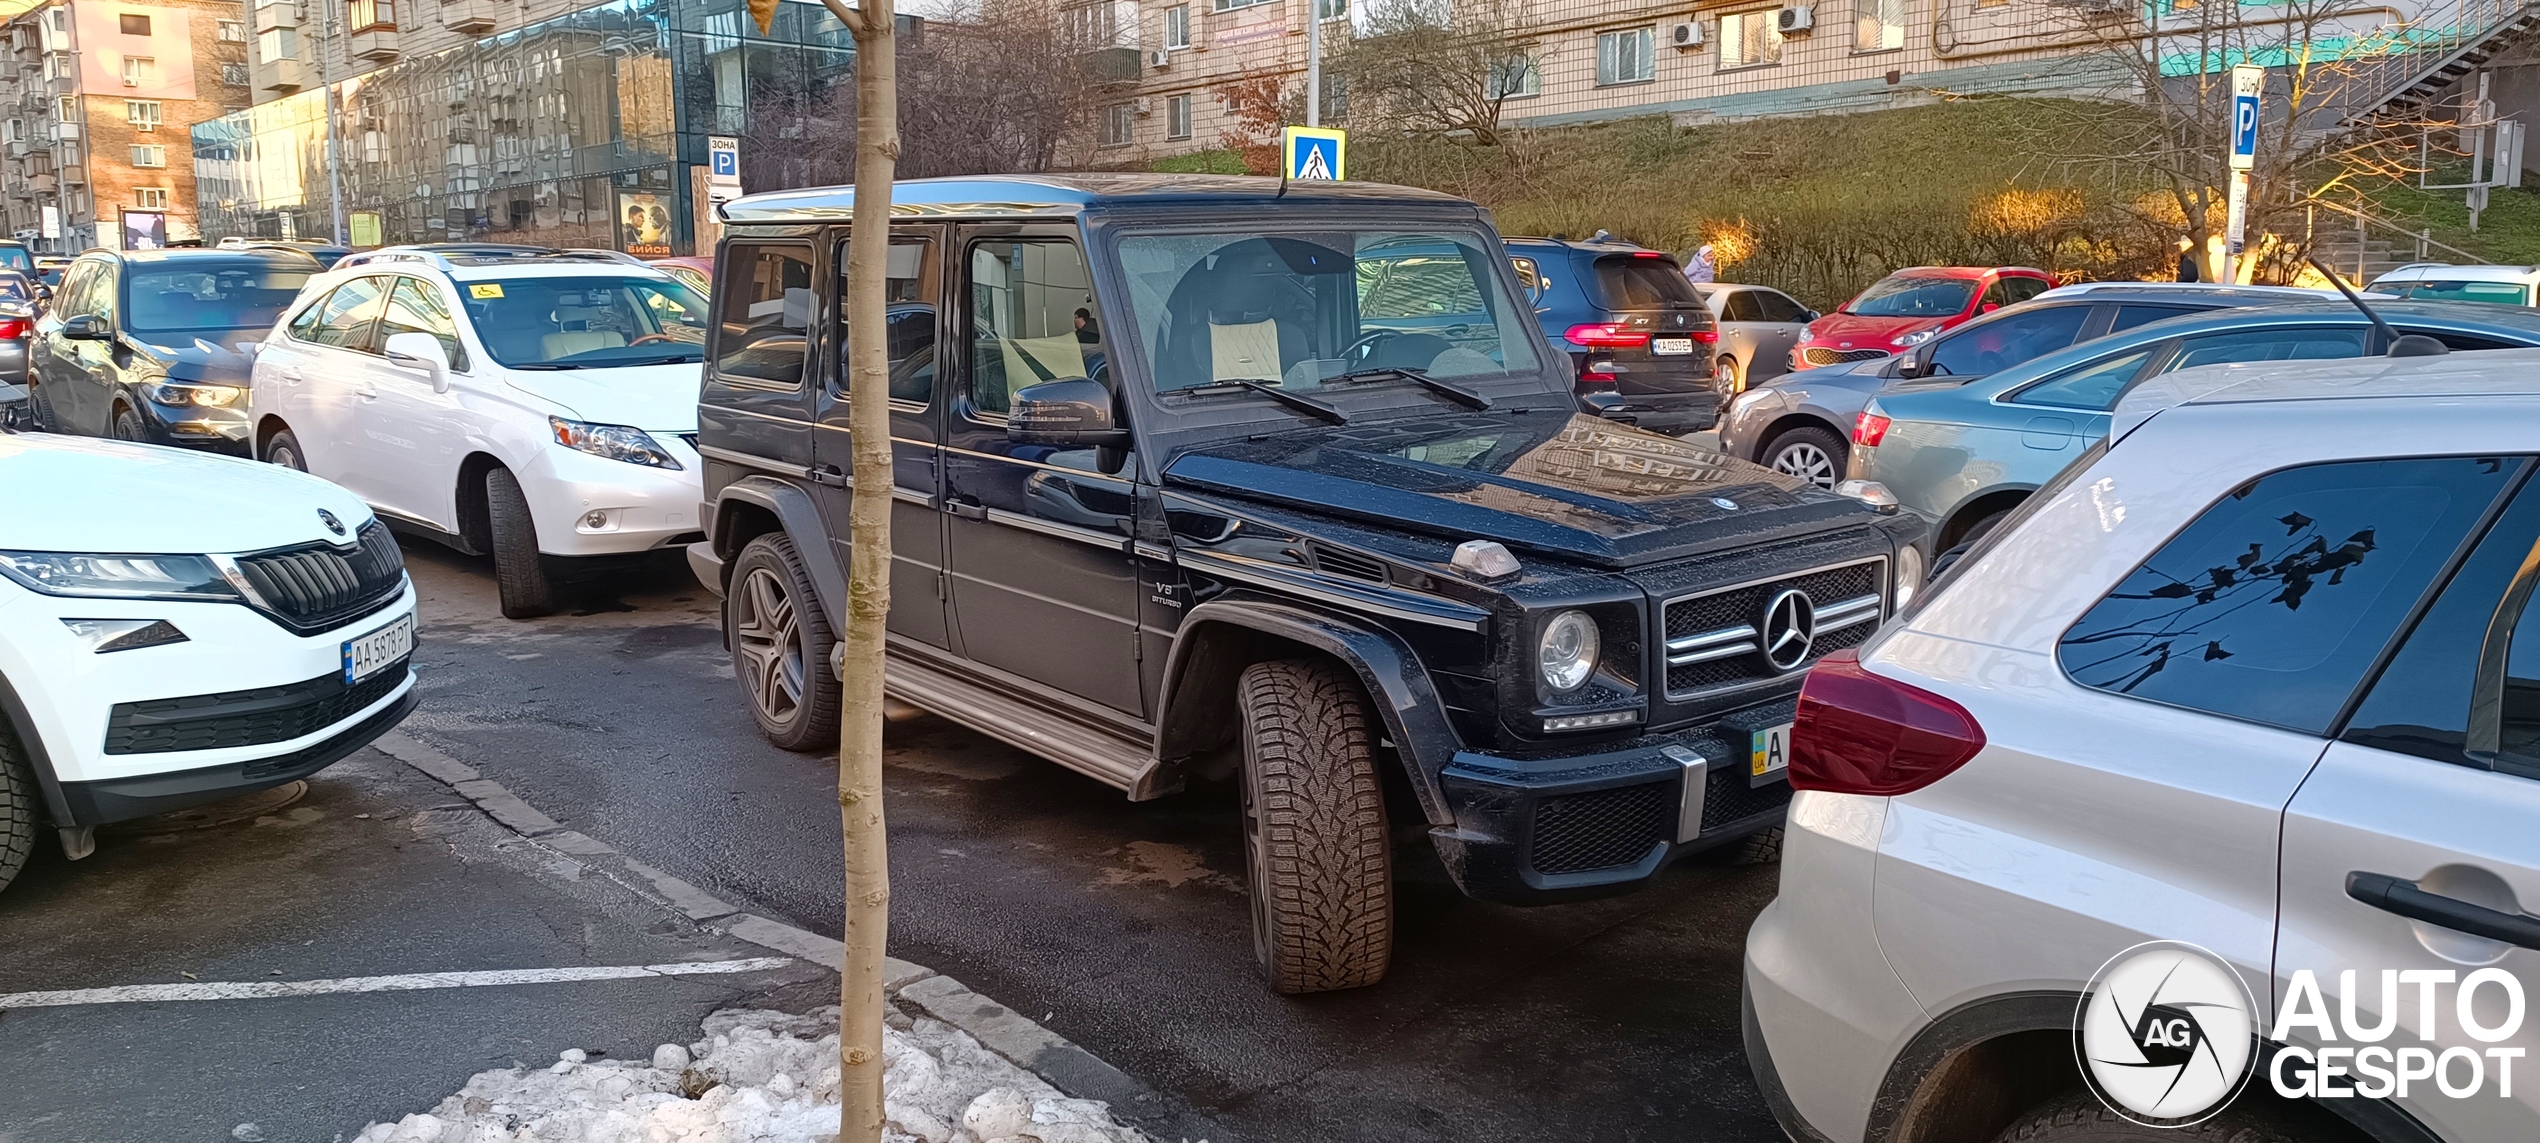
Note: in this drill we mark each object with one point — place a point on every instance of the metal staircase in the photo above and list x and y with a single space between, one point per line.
2418 60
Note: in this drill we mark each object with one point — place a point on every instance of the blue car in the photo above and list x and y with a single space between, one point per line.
1638 336
1961 454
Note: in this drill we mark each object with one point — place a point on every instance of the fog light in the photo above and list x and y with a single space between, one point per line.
1591 721
596 521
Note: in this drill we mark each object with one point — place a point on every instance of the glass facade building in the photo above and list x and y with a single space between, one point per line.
585 130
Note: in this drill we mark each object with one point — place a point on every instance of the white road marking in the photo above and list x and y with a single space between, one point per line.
271 989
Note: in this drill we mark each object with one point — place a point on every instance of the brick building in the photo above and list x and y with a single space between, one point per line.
99 99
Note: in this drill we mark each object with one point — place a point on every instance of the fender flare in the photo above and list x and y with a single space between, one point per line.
1992 1017
15 711
1414 716
800 517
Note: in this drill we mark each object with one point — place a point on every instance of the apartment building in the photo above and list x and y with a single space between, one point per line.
305 44
1587 60
97 100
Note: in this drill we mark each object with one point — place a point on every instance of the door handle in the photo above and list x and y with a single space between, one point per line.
367 391
290 376
966 507
2392 895
828 474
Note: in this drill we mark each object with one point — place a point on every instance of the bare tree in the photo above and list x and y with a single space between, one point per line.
1425 67
2167 126
867 848
994 86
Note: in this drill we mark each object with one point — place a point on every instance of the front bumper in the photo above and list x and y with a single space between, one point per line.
206 427
1539 831
1671 413
589 505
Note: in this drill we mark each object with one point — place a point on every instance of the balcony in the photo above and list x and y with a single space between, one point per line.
376 44
283 76
43 184
66 132
18 148
282 15
471 17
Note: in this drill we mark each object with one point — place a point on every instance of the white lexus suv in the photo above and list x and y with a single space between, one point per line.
505 400
2200 800
177 628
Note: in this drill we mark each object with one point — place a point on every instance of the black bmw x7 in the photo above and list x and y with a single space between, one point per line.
1203 475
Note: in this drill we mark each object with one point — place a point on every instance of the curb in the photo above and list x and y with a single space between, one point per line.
1057 1060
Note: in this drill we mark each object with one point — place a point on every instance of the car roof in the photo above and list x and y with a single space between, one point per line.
1064 196
2213 293
293 258
1611 246
2447 377
473 261
1962 271
2445 272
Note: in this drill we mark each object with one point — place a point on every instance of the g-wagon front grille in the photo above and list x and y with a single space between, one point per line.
1725 638
320 586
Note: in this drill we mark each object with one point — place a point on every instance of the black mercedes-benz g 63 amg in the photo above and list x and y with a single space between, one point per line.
1208 475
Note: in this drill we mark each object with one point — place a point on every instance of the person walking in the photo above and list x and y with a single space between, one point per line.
2187 271
1701 268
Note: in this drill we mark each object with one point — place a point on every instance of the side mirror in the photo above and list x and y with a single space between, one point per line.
420 351
86 327
1988 307
1071 413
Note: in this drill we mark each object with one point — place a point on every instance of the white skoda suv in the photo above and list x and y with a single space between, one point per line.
177 628
509 401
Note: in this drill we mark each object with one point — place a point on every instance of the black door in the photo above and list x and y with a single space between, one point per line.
1043 581
77 377
910 324
752 416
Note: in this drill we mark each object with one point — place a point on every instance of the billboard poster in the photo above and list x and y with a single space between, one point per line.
364 225
145 230
643 224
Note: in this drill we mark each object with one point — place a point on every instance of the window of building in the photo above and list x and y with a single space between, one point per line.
131 24
150 198
373 16
1332 9
1628 56
1231 5
143 114
278 44
1750 39
13 131
234 74
233 31
2276 603
139 71
1515 77
1177 27
1177 117
66 108
149 155
1878 25
1088 25
1119 124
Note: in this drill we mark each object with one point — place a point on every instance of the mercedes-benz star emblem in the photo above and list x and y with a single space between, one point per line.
332 524
1790 629
1724 504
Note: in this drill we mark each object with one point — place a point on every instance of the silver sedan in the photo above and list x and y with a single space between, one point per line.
1801 423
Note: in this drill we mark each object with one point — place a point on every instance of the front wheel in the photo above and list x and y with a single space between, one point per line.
19 802
283 449
1812 454
1732 379
520 573
1316 848
780 645
128 427
2081 1118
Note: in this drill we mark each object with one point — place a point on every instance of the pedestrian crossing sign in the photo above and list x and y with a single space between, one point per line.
1313 154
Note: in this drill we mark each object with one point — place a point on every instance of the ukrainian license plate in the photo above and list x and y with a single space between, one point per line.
369 654
1671 346
1771 751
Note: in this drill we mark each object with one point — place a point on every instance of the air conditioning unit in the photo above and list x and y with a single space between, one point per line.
1145 106
1795 20
1160 60
1685 35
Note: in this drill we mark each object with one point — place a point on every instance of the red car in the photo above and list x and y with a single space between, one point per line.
1910 307
697 273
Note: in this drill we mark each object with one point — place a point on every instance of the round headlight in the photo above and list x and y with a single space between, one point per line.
1566 655
1909 575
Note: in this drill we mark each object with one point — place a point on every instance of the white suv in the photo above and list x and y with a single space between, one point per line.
177 627
2253 678
504 400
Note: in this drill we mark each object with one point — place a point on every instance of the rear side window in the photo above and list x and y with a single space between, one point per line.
2092 388
1778 306
2022 289
1630 282
2465 687
2269 345
765 305
2129 317
2274 604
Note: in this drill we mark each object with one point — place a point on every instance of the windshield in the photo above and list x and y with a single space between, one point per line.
1636 282
587 321
2492 293
1914 297
1305 310
203 296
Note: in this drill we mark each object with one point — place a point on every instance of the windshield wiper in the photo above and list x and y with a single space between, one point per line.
1303 404
550 365
1449 390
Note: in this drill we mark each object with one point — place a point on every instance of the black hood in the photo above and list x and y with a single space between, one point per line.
1553 482
209 356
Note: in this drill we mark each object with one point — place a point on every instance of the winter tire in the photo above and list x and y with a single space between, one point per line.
1763 847
1315 843
2081 1118
780 645
127 426
284 450
1812 454
520 573
40 403
18 806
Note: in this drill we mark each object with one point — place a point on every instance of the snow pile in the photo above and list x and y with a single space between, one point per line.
762 1077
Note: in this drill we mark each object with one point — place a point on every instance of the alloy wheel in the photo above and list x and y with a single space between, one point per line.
767 637
1805 461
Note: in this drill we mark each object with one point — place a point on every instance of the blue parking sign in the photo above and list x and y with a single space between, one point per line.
2246 83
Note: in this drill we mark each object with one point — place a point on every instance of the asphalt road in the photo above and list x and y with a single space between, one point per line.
1122 926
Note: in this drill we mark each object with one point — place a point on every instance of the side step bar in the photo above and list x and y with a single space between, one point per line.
1104 757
